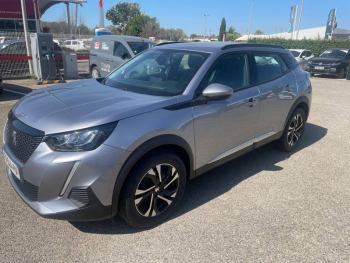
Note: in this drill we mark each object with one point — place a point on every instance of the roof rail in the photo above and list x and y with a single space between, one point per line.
250 45
166 43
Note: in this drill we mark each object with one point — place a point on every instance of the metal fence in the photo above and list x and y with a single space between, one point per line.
13 53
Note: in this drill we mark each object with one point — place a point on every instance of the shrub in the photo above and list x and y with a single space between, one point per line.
317 46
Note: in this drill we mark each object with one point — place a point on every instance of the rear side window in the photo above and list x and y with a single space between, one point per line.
138 47
267 66
284 66
230 70
105 46
291 62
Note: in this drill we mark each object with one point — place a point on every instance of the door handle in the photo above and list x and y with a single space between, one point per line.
251 102
289 87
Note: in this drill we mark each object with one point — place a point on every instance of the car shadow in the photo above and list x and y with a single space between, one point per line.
13 92
215 182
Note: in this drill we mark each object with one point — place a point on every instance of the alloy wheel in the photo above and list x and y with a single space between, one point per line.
294 130
156 190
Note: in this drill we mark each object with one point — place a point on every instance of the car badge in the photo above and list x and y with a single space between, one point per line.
14 138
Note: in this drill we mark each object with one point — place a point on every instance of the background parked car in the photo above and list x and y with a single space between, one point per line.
333 61
74 44
18 48
302 56
109 52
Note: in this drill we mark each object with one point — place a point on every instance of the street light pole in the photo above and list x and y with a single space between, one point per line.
301 12
205 24
250 21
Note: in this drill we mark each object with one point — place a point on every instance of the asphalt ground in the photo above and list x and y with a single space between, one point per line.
266 206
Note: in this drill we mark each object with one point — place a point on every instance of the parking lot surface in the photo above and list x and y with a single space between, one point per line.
266 206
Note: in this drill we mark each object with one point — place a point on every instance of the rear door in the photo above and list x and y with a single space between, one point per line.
278 88
225 127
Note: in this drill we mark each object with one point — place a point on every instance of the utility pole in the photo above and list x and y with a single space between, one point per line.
205 25
76 20
275 29
36 18
250 21
301 12
26 32
69 24
281 29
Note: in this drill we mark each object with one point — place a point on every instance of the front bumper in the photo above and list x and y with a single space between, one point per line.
334 71
88 196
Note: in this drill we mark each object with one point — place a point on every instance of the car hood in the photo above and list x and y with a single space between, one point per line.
326 60
82 104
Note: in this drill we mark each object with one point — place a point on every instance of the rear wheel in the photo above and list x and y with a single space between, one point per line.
293 131
153 190
95 73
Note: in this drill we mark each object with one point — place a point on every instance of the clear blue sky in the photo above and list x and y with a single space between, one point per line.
189 14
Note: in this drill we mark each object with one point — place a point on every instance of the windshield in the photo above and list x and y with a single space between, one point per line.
138 47
295 53
158 72
334 53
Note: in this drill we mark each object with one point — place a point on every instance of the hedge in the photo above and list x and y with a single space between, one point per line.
317 46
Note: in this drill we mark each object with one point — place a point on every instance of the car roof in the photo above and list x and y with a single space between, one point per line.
211 47
125 38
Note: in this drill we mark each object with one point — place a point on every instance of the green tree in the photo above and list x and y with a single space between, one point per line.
259 32
231 30
193 35
121 13
222 30
136 25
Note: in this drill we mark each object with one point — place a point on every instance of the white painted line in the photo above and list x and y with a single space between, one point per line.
15 92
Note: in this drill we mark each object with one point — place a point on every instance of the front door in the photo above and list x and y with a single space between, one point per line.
225 127
104 56
119 50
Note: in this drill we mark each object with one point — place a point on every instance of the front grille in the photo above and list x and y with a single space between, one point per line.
28 189
79 197
21 144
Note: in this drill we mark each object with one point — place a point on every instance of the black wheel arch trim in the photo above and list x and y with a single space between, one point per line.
139 152
294 106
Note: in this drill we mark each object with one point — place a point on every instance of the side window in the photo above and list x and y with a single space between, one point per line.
184 63
119 47
304 54
230 70
75 42
67 42
291 61
267 66
284 66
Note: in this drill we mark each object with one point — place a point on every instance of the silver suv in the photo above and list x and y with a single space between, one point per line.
127 144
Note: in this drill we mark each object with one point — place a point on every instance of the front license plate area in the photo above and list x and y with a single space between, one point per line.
322 68
10 164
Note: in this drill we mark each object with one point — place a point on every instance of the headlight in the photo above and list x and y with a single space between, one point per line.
335 64
80 140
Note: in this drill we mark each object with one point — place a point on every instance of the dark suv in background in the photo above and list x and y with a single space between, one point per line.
333 61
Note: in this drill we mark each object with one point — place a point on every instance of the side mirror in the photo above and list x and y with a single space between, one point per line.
216 92
303 57
123 55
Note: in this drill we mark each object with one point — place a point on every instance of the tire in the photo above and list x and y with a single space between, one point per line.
312 74
95 72
147 200
341 74
293 131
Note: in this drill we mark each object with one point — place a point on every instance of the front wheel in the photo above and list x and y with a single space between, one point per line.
95 73
293 131
341 74
153 190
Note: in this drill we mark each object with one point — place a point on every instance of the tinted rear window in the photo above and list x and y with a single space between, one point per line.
291 61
